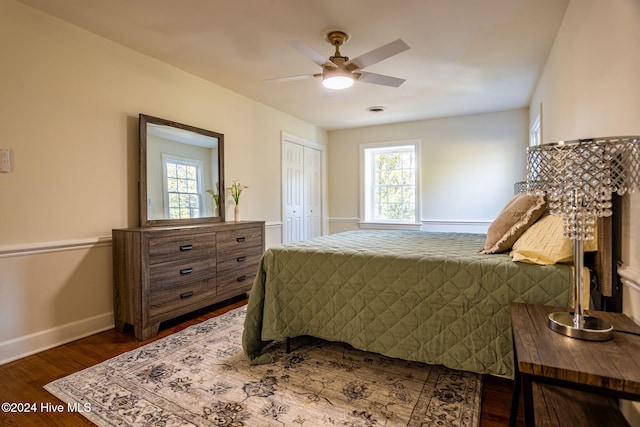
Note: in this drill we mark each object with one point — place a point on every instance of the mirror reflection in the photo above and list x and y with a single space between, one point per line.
182 181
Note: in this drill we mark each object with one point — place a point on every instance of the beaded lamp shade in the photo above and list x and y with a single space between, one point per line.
520 187
578 179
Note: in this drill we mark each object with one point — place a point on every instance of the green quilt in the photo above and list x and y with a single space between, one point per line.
428 297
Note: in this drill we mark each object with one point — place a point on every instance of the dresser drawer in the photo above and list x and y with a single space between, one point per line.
163 272
239 258
242 238
236 281
181 246
179 296
180 271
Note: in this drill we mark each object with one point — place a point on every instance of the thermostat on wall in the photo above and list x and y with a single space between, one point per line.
5 160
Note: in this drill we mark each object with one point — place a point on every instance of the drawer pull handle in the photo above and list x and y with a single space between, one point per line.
240 239
185 248
241 259
186 295
241 279
186 271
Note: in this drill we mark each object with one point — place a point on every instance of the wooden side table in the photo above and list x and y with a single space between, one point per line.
567 381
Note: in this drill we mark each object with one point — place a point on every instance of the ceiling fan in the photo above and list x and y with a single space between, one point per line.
338 72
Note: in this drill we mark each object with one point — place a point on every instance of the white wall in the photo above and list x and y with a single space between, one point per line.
469 165
69 103
590 88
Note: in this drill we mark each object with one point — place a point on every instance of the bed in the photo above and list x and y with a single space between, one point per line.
428 297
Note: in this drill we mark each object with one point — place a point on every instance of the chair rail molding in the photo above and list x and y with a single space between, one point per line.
456 226
630 278
7 251
631 275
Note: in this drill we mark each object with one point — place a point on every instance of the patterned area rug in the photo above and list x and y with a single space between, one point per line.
200 377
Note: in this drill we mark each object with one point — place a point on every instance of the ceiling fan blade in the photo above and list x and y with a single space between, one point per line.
380 54
380 79
310 53
291 78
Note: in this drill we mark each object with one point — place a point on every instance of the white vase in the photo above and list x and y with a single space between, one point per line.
236 213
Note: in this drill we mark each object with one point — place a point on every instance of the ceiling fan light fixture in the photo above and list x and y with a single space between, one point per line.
337 78
337 82
338 72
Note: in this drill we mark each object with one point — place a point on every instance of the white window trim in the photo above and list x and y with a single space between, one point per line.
365 186
184 160
535 130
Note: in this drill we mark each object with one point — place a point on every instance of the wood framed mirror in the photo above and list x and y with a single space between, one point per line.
181 174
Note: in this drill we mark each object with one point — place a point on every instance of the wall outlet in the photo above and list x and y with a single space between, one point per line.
5 160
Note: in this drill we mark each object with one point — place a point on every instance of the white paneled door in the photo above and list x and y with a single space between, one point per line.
293 192
301 191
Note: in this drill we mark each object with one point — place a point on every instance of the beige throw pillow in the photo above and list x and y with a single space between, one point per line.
521 211
542 243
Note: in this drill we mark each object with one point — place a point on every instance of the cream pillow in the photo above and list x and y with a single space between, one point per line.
521 211
543 243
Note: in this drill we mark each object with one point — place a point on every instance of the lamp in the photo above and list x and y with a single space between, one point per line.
337 78
578 178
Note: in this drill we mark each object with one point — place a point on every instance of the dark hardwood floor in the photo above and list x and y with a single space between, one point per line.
23 380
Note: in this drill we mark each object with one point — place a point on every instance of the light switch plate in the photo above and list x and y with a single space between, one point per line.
5 160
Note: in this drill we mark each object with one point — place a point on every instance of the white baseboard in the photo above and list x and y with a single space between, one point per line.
34 343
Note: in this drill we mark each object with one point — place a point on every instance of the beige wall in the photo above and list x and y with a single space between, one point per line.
590 88
69 102
469 165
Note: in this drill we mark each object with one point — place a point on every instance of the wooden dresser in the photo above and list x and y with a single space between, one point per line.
164 272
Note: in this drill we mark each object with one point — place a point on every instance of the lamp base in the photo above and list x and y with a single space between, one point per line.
594 329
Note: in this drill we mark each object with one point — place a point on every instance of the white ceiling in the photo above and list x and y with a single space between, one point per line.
465 56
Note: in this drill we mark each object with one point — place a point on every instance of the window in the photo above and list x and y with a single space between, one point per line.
182 180
535 131
390 184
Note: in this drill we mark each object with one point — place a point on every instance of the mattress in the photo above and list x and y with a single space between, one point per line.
428 297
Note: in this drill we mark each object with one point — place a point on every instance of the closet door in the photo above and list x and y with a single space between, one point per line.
312 192
301 190
293 192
